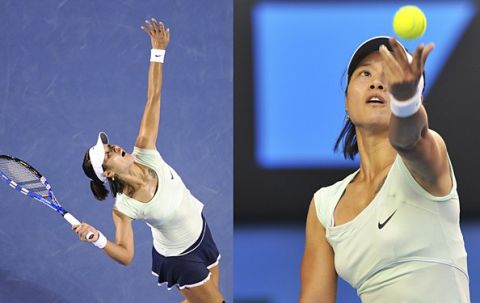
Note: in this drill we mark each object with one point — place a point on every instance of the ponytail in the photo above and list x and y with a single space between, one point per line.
116 186
100 191
349 138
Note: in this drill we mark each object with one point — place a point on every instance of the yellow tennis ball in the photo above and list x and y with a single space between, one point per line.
409 22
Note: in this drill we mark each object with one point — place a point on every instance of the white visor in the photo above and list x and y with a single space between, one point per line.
97 155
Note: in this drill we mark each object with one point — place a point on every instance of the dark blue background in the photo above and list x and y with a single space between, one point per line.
299 103
72 68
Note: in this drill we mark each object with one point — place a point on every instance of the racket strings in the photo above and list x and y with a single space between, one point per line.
23 176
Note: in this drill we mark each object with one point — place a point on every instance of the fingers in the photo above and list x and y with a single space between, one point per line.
160 27
420 57
426 52
153 26
394 71
158 32
398 52
397 64
145 29
83 229
417 59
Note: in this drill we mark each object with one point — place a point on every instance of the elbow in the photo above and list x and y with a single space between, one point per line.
310 299
128 259
404 144
403 147
303 299
153 96
406 138
125 261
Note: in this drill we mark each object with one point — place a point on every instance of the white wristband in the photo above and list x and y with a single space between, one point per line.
407 108
157 55
101 241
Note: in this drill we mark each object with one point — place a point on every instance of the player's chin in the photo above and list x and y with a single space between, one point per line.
378 116
377 121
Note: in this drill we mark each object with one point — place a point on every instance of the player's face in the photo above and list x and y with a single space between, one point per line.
116 159
367 100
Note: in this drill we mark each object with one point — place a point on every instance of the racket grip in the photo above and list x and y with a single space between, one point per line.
90 235
73 221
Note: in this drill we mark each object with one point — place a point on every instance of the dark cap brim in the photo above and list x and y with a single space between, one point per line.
366 48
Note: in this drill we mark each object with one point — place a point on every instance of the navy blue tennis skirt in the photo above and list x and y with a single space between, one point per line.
191 268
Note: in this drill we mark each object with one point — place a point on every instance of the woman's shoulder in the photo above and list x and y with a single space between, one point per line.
125 205
138 151
332 190
149 157
327 197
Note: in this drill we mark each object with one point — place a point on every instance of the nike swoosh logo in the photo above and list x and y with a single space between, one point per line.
171 174
381 225
158 56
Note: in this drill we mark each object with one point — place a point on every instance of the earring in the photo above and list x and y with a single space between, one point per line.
113 178
347 117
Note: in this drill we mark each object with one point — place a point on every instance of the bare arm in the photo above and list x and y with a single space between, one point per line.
122 250
318 276
422 150
147 135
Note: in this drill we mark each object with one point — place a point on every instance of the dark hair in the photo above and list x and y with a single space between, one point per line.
98 187
348 136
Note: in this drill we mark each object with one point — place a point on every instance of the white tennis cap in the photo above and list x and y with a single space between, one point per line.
97 155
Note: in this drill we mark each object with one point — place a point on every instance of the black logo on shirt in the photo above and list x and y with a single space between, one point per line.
171 175
381 225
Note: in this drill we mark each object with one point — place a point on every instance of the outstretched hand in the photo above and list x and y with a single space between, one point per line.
159 34
402 76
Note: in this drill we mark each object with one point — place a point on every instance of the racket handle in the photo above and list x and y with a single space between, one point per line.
73 221
90 235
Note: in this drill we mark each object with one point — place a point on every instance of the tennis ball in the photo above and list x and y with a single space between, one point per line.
409 22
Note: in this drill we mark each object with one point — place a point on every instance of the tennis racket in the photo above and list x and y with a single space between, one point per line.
25 179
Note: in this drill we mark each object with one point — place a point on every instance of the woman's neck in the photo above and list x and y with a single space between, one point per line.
376 154
134 178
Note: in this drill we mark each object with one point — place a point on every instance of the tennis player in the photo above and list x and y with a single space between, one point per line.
145 187
391 228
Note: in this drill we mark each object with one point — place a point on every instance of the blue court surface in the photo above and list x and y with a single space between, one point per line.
73 68
268 257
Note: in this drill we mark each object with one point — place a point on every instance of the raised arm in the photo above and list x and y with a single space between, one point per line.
318 277
159 37
422 150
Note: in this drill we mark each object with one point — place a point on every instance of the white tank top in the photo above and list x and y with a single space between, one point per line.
174 214
405 246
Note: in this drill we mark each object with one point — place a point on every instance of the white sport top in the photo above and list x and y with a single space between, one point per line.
174 214
405 246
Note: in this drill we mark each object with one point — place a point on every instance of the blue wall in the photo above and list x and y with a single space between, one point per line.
72 68
299 113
